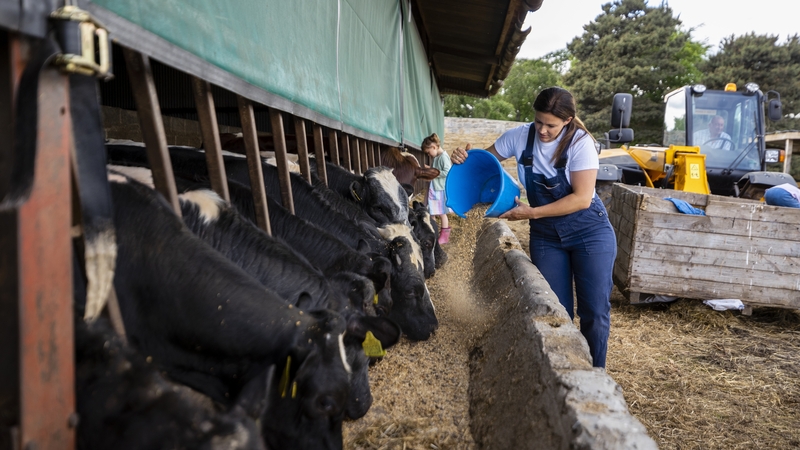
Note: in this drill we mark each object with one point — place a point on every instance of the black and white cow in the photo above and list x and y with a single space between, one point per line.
405 283
423 229
278 267
125 403
207 324
377 192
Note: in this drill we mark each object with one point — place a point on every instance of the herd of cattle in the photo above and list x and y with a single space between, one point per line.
239 339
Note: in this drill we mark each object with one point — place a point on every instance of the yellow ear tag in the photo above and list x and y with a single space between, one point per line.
283 385
372 346
294 389
375 299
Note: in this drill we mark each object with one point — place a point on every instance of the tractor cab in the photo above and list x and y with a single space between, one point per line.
728 127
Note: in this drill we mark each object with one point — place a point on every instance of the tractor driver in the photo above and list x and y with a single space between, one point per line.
714 137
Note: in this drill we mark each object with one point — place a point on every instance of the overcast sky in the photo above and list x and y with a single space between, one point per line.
557 22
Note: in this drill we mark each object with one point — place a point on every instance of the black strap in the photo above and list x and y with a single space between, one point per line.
527 156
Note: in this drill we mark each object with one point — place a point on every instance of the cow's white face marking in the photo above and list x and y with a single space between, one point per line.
116 178
141 174
428 293
409 155
393 230
392 187
343 355
209 203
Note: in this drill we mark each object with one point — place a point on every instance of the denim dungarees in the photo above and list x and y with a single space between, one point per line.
580 246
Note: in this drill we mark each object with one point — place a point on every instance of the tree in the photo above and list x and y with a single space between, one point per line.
495 108
527 78
761 60
634 48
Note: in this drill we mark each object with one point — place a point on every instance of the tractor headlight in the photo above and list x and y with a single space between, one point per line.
772 155
698 89
751 88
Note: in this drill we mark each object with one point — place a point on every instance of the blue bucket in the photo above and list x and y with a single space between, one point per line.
480 179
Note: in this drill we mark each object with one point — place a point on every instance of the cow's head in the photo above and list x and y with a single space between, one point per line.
307 404
423 230
381 196
412 307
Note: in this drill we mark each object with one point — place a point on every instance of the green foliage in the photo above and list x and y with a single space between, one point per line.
515 101
762 60
634 48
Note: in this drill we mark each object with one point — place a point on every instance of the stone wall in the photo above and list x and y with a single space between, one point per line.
481 133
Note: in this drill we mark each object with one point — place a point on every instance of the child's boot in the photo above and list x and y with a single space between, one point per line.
444 236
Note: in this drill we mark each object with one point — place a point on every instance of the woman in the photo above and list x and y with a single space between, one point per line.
571 237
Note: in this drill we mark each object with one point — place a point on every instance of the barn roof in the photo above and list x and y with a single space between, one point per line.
471 44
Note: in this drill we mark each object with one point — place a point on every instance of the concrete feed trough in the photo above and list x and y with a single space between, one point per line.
531 381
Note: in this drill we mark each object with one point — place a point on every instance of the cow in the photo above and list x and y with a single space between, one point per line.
278 267
406 284
377 192
209 325
123 402
406 168
424 232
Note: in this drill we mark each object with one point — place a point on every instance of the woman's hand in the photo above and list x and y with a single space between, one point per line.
520 212
460 154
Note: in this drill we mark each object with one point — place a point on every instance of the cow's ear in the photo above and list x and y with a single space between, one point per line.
385 330
254 396
408 188
357 190
304 301
363 246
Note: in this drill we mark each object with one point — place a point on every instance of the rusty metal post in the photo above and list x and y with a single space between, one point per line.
250 136
302 147
155 139
333 142
35 241
346 152
279 140
319 150
206 114
355 160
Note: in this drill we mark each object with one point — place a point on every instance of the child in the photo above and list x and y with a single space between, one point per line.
436 195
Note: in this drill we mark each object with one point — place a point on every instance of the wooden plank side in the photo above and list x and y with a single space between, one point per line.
758 212
751 260
652 230
724 277
705 290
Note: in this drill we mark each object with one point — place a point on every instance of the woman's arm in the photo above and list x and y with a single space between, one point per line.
582 183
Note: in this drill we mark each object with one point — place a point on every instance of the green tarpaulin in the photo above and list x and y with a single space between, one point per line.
357 62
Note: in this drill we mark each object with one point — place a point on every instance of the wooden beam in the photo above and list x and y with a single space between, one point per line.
250 136
302 147
155 139
472 56
787 163
279 140
319 152
207 117
371 154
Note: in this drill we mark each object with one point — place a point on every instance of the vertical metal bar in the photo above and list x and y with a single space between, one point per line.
370 155
346 152
279 140
333 141
378 161
362 152
319 150
206 113
47 369
355 160
250 136
302 147
155 139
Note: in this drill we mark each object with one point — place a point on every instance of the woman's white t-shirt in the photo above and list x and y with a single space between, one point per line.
581 155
